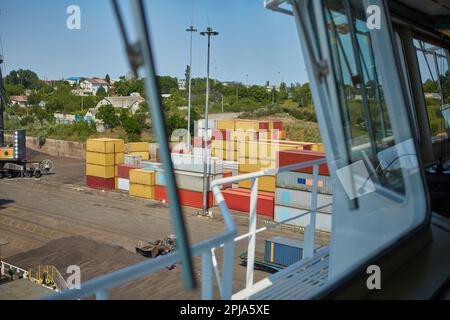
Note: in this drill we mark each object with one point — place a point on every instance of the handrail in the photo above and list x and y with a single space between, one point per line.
309 236
8 266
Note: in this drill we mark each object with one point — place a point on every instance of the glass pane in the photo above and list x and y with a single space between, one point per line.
434 70
367 123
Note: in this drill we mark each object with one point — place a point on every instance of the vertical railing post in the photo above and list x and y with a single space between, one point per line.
252 230
310 230
207 276
227 270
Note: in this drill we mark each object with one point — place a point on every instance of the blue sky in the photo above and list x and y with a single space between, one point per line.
252 40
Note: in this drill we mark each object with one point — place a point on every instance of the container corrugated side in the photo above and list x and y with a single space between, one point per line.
123 184
187 162
281 253
323 220
304 181
302 199
187 180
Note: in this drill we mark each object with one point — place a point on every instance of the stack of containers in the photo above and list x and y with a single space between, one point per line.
103 156
142 183
260 156
189 176
200 125
293 190
141 149
131 162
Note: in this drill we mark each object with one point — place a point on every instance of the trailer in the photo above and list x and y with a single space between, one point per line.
26 169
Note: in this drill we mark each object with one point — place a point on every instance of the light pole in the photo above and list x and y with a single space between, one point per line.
191 30
209 32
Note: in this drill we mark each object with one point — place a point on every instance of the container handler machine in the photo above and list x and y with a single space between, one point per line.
13 153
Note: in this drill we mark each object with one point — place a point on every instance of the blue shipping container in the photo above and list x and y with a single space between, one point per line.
283 251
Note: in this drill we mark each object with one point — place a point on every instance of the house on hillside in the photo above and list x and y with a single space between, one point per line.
73 80
21 101
132 102
91 86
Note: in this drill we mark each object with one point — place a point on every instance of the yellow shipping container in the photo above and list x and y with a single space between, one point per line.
247 165
138 147
226 124
143 155
218 144
247 125
142 191
144 177
102 159
99 171
264 184
119 158
105 145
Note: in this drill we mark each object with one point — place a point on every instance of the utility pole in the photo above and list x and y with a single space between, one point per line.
188 138
209 32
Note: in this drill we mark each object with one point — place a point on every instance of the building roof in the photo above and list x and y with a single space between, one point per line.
22 99
122 102
98 81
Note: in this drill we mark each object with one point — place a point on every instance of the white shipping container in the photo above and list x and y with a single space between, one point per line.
151 165
201 124
232 166
301 199
191 163
201 133
131 160
198 152
123 184
304 181
187 180
323 220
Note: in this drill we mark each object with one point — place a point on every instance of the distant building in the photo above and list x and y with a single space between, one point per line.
64 118
432 95
182 84
91 86
270 88
73 80
132 102
22 101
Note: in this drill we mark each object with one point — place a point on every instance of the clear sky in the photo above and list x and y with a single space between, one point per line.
253 40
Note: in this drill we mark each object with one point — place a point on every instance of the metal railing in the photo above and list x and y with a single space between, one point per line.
309 234
5 267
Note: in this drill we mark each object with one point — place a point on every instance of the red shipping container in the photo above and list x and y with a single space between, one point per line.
100 183
199 142
239 199
219 134
227 174
124 171
264 125
278 125
187 198
288 157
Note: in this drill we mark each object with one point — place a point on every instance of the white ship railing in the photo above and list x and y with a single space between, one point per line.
309 233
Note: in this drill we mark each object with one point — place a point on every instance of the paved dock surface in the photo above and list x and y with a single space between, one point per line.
57 221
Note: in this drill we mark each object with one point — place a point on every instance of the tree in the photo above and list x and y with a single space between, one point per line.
167 84
108 79
107 114
101 93
27 78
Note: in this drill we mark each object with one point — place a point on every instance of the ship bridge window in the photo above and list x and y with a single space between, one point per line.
435 74
367 123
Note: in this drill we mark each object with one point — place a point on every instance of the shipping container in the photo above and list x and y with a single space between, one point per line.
138 147
302 199
266 183
187 198
283 251
123 184
226 124
142 191
99 171
245 125
131 160
239 200
227 174
151 165
123 171
232 166
247 165
143 155
105 145
102 159
288 157
201 124
323 219
100 183
186 162
119 158
192 181
142 177
304 181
